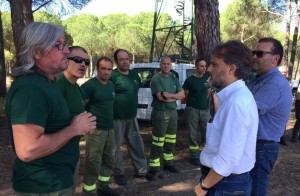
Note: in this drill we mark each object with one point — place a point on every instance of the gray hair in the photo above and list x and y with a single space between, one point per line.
36 36
163 58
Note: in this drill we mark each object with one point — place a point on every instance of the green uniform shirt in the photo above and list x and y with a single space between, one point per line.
198 92
37 100
126 89
72 93
160 83
100 102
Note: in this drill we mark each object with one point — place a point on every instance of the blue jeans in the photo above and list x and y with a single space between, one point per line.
232 185
266 156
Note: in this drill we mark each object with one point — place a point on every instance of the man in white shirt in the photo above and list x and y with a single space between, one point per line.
229 152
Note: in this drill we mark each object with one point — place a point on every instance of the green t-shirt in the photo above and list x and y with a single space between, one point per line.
126 89
72 93
100 101
37 100
198 92
160 83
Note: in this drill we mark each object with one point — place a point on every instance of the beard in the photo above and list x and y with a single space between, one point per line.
217 83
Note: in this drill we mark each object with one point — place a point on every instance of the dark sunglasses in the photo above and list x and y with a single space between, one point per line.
78 59
260 53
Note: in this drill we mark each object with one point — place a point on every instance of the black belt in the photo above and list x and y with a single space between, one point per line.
262 141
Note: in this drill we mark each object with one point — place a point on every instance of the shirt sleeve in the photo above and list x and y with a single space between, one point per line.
186 85
29 105
156 85
267 99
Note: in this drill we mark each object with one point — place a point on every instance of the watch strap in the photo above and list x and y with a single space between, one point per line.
202 185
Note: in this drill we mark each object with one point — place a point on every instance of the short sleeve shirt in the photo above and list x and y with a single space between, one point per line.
160 83
126 89
72 93
198 92
37 100
100 102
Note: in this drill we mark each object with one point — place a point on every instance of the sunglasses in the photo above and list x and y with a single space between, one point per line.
260 53
78 59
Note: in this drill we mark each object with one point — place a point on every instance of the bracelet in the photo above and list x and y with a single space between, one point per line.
202 185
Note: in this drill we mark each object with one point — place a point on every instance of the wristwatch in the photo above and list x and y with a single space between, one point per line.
202 185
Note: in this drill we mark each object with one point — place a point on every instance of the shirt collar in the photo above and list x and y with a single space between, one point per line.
266 75
226 92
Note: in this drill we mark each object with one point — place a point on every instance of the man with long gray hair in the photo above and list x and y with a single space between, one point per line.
39 119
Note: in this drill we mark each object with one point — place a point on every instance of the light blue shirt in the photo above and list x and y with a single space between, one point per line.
273 96
231 136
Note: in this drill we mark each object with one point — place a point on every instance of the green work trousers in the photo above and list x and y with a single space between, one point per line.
100 153
196 120
163 137
129 129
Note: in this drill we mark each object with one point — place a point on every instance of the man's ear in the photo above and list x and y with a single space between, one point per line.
276 58
232 68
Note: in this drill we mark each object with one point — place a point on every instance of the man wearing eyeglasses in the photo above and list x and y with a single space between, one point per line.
78 60
273 97
44 133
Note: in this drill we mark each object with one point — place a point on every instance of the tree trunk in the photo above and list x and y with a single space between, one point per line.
295 39
287 33
297 68
21 15
2 62
207 27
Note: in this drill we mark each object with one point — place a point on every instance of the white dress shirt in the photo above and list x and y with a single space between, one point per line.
231 136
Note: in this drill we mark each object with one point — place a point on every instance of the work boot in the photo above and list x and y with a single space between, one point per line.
171 168
153 173
147 175
89 193
108 191
120 180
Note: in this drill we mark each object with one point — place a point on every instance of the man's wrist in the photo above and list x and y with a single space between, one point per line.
203 186
162 95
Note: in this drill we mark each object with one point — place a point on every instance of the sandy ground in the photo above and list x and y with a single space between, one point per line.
284 179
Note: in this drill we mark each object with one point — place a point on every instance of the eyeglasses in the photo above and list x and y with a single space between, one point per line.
78 59
260 53
61 46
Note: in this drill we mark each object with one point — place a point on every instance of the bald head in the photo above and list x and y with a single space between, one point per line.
284 70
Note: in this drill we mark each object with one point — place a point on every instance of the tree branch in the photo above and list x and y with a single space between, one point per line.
249 38
274 13
41 6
